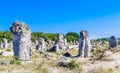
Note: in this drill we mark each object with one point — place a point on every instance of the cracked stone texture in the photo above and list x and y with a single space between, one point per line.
84 44
41 45
5 43
61 41
1 45
21 38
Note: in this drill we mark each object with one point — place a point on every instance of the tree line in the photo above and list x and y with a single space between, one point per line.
70 36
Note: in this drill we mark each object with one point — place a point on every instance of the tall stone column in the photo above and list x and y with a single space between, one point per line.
21 38
65 44
5 43
60 41
41 45
84 44
1 45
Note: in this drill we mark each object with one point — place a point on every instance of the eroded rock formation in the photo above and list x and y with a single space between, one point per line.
21 38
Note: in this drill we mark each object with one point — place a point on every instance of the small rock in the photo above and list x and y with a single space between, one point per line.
67 54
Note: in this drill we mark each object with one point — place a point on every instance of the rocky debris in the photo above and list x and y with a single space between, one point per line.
50 43
10 45
21 38
4 63
54 48
5 53
84 44
41 45
64 62
61 43
113 42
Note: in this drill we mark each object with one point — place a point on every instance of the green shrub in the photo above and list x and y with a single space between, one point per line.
14 61
9 50
73 65
41 69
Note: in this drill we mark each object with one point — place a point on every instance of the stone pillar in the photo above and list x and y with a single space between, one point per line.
21 38
1 45
65 43
41 45
113 42
56 47
5 43
77 43
60 41
84 44
50 43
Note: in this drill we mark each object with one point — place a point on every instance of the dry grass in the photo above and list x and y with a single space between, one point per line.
47 63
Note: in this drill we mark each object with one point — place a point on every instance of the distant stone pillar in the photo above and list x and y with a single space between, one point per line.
61 41
77 43
56 47
65 43
21 38
50 43
41 45
84 44
1 45
5 43
74 42
113 42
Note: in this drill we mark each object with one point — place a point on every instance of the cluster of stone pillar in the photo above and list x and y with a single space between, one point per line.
61 43
21 39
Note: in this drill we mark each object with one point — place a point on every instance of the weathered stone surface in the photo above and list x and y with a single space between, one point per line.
65 44
63 62
113 42
21 38
5 43
84 44
76 42
1 45
41 45
54 48
50 42
5 53
10 45
60 41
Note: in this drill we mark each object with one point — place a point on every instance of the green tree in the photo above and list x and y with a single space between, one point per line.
72 36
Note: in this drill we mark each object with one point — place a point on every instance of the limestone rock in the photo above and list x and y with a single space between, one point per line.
5 43
61 41
84 44
54 48
5 53
21 38
1 45
41 45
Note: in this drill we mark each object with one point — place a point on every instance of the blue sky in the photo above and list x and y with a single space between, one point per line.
100 17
